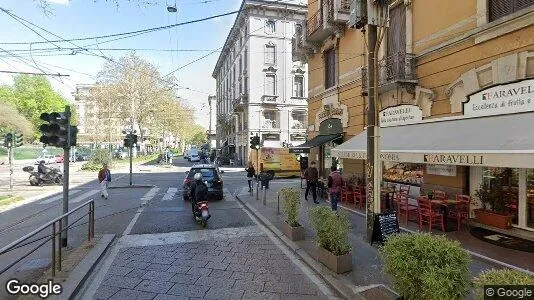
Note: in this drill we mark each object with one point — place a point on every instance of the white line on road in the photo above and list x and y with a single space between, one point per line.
147 197
57 197
170 194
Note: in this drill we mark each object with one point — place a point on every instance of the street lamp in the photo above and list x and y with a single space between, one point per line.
171 9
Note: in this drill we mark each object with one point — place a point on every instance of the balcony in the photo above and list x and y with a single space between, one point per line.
300 47
397 69
240 102
270 124
269 99
331 18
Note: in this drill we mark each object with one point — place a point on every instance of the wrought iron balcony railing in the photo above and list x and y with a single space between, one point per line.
315 22
399 67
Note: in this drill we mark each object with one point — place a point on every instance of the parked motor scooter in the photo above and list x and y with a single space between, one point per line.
202 213
52 176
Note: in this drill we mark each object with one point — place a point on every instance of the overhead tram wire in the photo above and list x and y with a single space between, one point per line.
133 33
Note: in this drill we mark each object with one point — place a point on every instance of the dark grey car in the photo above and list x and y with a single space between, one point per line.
210 175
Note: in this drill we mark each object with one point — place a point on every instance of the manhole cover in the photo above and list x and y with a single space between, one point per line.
34 264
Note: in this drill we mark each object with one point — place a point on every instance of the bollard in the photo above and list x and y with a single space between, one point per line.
264 195
258 190
278 201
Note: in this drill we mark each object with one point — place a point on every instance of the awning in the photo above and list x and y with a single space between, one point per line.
315 142
499 141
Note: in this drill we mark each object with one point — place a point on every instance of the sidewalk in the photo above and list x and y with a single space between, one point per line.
367 268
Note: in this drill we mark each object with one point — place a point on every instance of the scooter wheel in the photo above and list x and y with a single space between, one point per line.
203 223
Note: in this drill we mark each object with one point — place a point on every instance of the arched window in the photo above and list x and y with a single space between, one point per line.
270 26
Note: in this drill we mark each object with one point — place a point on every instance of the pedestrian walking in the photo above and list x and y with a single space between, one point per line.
335 183
104 177
250 175
312 176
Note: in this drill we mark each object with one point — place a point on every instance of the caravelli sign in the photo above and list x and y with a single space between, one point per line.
330 111
400 115
501 99
454 159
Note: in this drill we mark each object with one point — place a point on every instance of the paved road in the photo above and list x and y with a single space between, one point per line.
164 254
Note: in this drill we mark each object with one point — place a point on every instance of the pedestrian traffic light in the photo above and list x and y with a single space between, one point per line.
8 140
18 140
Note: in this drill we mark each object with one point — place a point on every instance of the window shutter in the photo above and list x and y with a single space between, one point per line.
500 8
523 4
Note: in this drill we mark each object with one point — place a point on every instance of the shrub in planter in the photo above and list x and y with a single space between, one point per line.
292 228
332 238
500 277
426 266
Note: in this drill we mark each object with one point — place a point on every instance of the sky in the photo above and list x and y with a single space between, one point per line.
89 18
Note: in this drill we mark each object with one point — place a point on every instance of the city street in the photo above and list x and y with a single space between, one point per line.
160 249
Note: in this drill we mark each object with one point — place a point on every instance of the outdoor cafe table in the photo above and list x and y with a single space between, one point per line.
445 205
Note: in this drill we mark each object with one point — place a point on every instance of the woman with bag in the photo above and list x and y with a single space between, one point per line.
250 174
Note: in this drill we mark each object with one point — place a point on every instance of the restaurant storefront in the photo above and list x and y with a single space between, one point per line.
490 144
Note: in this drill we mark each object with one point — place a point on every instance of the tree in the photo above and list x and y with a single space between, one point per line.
11 119
31 96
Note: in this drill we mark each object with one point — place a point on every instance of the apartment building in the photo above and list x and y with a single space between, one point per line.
456 94
260 89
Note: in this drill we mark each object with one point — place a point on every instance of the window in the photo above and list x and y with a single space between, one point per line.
270 26
298 86
501 8
330 68
270 84
298 29
270 52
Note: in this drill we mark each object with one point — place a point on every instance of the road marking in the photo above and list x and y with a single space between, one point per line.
57 197
244 191
170 194
147 197
83 196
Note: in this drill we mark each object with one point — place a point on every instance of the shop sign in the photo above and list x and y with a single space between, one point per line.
501 99
441 170
452 159
330 111
400 115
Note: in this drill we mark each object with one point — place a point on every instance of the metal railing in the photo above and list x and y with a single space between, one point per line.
399 67
56 226
314 22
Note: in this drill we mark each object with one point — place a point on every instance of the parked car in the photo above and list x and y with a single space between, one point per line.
210 175
194 155
48 159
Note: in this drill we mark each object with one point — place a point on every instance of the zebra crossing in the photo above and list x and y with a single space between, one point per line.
169 195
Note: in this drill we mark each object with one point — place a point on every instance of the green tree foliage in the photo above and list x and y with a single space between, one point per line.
11 119
32 95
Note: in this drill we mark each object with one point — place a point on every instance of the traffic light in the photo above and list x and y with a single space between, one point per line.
56 133
73 135
18 140
8 140
134 139
252 140
130 140
255 142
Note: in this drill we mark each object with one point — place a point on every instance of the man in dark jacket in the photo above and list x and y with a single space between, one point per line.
312 176
335 183
198 192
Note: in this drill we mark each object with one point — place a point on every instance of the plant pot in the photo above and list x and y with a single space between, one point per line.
493 219
294 233
339 264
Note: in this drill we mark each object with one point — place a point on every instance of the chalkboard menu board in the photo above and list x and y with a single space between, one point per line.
384 224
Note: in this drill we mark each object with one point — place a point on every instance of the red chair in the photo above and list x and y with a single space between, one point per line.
439 195
346 193
359 196
403 207
460 211
429 213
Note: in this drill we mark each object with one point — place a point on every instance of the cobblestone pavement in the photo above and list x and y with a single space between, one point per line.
239 263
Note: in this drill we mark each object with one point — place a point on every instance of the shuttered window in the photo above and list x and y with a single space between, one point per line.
298 86
501 8
270 54
270 84
396 41
330 68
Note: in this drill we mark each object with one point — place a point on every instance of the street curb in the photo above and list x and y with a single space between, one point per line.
333 282
81 272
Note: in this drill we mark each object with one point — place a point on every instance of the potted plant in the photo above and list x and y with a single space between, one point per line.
332 238
426 266
499 277
493 208
292 229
